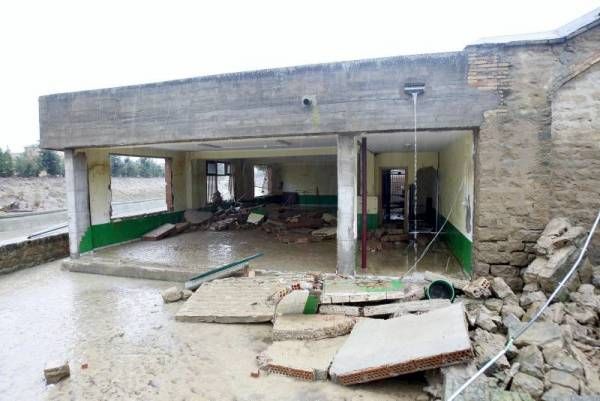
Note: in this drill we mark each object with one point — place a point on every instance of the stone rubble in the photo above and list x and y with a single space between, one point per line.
56 371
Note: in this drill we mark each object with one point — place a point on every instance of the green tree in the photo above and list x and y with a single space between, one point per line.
51 162
116 166
27 165
7 168
145 167
130 168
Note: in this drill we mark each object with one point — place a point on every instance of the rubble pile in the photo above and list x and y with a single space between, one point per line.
368 328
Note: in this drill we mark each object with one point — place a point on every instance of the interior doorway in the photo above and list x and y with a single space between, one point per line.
392 194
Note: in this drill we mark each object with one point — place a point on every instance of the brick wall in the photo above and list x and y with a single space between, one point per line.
23 254
524 142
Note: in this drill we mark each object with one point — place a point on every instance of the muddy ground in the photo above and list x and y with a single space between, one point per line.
135 350
48 193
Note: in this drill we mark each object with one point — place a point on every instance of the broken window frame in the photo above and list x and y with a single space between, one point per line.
268 189
168 177
212 178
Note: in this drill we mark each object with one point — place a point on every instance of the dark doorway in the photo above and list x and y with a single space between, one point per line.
392 193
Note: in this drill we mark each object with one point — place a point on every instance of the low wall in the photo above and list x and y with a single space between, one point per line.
19 255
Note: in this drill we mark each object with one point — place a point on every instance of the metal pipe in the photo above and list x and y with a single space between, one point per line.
363 185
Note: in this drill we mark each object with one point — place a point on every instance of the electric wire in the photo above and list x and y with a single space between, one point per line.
511 339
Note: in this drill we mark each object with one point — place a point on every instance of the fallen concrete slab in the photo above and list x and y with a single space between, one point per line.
311 327
343 291
402 308
235 299
293 303
159 232
378 349
345 310
306 360
109 267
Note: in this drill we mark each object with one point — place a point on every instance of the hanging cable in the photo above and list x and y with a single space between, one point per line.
438 232
511 339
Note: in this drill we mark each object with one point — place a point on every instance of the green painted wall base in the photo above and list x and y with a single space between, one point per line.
372 222
100 235
459 245
317 200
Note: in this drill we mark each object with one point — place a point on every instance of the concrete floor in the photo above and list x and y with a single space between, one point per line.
201 250
134 348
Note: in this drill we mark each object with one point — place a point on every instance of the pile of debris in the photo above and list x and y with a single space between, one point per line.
357 330
288 224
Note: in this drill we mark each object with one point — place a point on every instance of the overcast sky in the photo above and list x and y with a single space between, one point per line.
60 46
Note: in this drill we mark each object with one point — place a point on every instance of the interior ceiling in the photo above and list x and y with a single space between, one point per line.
427 141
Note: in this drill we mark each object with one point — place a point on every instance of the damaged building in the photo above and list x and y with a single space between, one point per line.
486 144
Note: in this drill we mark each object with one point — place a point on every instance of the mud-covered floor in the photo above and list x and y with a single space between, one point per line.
134 348
207 249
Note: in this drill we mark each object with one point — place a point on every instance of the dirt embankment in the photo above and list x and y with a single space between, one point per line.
48 193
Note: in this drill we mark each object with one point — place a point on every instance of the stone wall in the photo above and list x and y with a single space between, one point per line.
30 253
531 164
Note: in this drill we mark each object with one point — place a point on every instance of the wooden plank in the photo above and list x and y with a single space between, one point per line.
159 232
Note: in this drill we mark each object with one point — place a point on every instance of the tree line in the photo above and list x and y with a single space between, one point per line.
123 166
31 163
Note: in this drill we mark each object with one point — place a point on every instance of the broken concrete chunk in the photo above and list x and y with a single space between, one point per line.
401 308
292 303
564 379
531 297
501 289
346 310
478 288
196 216
558 393
558 233
539 333
324 233
377 349
486 346
527 384
235 299
558 359
311 327
531 361
512 308
582 314
255 218
159 232
171 294
329 218
455 376
185 294
306 360
55 371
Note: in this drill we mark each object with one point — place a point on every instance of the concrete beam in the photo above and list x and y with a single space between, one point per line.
347 157
78 205
355 96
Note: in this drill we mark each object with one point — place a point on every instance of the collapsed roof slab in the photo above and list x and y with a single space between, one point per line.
378 349
356 96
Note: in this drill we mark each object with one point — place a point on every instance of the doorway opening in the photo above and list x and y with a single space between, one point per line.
393 194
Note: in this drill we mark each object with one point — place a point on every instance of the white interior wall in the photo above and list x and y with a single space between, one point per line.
456 169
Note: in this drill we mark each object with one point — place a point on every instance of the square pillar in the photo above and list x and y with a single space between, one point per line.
347 157
78 205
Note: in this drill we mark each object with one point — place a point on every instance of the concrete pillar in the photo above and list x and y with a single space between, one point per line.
347 151
76 182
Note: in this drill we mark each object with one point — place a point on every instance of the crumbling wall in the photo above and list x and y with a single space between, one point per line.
575 158
29 253
516 149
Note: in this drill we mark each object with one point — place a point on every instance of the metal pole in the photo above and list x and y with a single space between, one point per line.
363 185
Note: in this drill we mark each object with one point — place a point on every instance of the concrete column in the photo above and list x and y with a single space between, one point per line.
347 151
76 181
